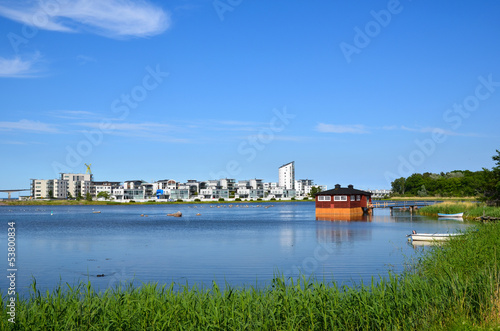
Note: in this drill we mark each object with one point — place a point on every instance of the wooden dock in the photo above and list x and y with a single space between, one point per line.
405 205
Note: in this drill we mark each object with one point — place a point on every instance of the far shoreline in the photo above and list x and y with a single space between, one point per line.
116 203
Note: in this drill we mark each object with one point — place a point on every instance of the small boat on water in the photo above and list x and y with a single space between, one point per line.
450 215
178 214
96 212
432 236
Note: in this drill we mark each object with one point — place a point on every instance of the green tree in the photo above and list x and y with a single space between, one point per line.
103 194
422 192
51 195
492 187
69 195
399 186
88 196
314 190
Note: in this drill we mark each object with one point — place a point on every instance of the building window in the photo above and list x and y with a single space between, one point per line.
358 197
324 198
353 198
340 198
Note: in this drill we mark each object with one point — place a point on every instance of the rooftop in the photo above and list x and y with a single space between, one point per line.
344 191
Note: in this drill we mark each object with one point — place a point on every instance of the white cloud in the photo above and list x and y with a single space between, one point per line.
17 67
150 131
333 128
111 18
27 125
437 130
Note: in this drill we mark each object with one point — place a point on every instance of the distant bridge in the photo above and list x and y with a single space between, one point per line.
12 191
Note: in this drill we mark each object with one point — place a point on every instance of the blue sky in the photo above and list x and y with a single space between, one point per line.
355 92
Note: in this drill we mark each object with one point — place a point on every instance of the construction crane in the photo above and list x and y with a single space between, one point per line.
88 168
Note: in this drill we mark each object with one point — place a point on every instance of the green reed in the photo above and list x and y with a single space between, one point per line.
470 209
449 287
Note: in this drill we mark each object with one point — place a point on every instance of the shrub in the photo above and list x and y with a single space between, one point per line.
180 200
197 200
221 199
237 199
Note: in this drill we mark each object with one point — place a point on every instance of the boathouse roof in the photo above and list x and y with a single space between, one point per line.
349 190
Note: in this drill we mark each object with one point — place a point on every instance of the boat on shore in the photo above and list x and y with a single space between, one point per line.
451 215
432 236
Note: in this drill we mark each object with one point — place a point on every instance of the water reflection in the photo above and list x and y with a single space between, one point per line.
345 218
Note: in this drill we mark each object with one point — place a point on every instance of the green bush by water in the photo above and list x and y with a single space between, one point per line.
454 286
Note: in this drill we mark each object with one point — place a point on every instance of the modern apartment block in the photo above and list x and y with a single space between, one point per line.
78 184
49 188
75 185
108 187
287 176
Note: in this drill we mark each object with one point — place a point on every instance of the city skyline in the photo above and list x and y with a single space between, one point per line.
355 93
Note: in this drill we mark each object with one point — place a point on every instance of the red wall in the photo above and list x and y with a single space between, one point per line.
342 204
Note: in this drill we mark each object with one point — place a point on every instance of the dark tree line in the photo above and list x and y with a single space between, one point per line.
459 183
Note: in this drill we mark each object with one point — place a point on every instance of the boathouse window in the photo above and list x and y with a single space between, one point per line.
324 198
340 198
358 197
353 198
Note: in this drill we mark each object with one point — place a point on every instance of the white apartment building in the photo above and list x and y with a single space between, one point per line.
228 184
379 194
49 188
78 184
98 187
270 186
286 177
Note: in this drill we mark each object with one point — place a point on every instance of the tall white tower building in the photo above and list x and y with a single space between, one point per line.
287 176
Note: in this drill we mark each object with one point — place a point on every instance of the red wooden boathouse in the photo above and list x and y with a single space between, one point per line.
343 201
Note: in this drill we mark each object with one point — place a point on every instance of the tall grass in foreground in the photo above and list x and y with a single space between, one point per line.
470 209
451 286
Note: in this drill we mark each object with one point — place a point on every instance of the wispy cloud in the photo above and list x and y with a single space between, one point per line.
84 59
17 67
334 128
442 131
28 125
110 18
74 114
148 130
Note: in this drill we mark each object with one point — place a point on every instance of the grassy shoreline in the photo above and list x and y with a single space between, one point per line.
433 198
454 286
471 210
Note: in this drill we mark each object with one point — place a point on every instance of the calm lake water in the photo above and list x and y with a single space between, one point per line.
243 246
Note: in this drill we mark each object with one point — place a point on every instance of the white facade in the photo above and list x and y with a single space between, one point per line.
49 188
78 183
287 176
378 194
